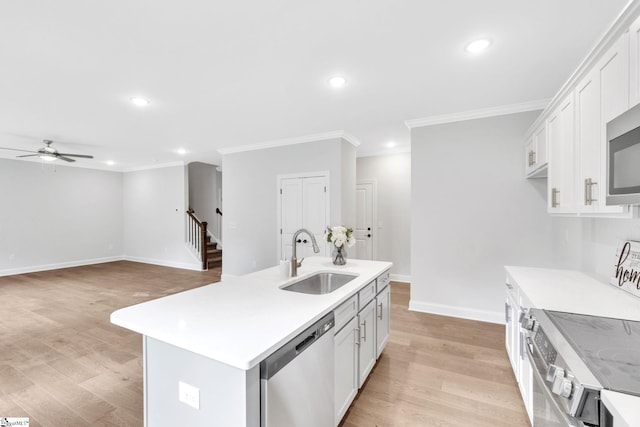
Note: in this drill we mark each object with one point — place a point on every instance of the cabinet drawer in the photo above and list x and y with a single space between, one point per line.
345 312
366 294
382 281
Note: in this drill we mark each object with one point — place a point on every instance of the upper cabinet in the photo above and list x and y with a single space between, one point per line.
568 142
536 153
560 188
601 96
634 63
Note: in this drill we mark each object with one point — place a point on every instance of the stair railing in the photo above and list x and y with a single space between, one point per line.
197 236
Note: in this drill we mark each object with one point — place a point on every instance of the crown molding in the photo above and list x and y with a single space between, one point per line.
291 141
478 114
384 152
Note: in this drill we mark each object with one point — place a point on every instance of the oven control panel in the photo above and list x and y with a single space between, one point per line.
547 351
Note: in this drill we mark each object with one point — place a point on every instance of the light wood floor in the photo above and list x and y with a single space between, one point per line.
62 363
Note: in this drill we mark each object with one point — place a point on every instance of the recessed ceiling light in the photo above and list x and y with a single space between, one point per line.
337 81
181 151
478 46
110 162
139 102
391 144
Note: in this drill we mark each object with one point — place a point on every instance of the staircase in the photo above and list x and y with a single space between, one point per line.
200 242
214 255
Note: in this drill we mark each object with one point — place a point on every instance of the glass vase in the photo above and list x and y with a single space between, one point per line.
339 255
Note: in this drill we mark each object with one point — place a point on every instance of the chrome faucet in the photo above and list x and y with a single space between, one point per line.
294 261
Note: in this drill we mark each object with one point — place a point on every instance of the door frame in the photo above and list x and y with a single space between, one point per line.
279 178
374 213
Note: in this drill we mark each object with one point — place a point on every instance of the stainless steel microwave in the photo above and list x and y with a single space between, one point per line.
623 158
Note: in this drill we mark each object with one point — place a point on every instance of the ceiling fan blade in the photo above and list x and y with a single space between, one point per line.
83 156
29 155
66 159
16 149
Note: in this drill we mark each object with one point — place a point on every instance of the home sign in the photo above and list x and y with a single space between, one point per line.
627 268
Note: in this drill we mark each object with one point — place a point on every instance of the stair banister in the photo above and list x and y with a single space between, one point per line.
197 235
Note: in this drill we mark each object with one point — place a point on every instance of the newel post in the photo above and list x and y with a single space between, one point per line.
203 243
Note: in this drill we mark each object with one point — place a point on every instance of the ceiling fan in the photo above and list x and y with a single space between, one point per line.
48 153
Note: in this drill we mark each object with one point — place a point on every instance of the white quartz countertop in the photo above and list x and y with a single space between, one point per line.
242 320
573 292
623 407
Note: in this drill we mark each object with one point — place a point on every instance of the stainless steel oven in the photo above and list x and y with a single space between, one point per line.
574 357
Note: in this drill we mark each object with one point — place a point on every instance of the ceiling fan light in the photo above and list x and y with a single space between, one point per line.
47 157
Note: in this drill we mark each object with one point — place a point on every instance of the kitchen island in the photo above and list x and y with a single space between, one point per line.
212 339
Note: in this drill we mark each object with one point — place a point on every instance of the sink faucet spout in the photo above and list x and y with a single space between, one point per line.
294 260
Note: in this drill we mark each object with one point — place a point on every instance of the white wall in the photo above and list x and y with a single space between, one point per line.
249 190
53 216
154 205
203 193
590 243
472 213
393 177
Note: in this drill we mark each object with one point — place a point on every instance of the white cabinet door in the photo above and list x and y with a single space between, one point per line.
303 204
613 73
383 322
588 139
511 330
346 368
536 152
634 59
560 125
367 341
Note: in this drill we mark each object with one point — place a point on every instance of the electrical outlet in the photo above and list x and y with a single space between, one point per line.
189 394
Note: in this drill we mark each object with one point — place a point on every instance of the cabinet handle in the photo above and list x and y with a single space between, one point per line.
364 325
298 241
358 335
368 235
380 312
529 160
588 191
554 198
533 158
507 309
304 241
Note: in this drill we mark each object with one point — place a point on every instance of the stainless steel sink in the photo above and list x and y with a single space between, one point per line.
320 283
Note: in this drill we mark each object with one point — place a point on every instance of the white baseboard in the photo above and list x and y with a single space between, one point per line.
400 278
224 277
164 263
453 311
57 266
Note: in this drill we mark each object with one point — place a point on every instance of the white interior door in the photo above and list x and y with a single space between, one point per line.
291 212
364 229
314 216
303 204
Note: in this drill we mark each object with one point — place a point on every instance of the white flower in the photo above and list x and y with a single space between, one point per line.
339 236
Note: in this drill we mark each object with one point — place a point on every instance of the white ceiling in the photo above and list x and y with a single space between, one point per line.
228 74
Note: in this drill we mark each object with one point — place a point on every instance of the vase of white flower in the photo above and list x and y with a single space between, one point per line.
340 237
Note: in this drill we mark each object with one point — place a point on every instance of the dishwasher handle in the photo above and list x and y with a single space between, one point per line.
306 342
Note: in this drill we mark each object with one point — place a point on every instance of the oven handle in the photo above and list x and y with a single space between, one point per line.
548 396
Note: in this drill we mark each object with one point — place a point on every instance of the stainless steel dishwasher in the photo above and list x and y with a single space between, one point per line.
296 381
